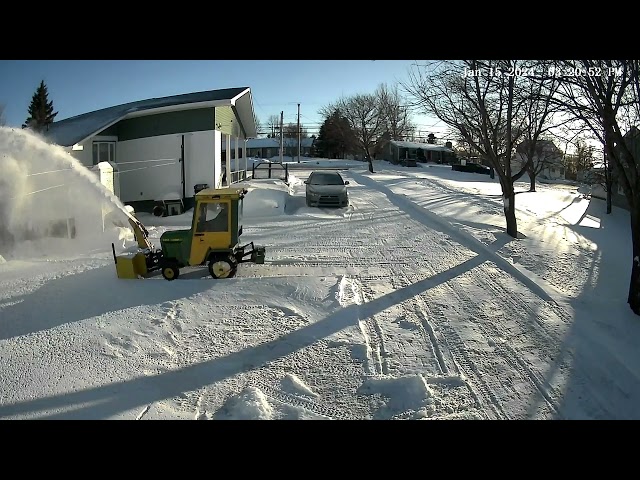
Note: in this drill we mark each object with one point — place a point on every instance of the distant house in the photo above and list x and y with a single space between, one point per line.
160 145
591 175
547 159
398 150
270 147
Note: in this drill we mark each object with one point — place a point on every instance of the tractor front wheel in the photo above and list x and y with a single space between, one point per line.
222 267
170 271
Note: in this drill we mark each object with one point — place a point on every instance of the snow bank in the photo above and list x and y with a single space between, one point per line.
250 404
265 202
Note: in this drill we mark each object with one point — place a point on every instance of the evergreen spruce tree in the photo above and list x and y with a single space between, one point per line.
41 112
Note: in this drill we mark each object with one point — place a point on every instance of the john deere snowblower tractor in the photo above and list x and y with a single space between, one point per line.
213 239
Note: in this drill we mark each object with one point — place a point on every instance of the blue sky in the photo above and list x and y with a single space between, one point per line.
80 86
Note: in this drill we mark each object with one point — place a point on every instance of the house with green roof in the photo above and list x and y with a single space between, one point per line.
165 146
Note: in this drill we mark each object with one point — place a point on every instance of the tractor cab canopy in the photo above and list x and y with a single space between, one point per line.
229 193
218 211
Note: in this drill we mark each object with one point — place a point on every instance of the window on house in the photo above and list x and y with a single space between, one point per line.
104 152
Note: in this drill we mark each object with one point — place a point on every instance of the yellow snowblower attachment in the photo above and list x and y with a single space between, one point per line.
134 264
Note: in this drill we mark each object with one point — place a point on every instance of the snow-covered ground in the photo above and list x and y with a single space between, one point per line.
411 303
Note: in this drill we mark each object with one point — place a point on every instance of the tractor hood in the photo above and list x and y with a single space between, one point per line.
175 236
176 245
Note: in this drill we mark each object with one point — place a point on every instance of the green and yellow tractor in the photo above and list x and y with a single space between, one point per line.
213 239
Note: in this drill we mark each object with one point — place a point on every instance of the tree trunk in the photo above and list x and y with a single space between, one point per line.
634 284
608 186
532 180
509 199
370 165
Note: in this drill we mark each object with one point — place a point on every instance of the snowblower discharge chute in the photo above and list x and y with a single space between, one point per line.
213 239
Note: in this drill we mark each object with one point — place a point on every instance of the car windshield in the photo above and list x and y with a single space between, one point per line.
326 179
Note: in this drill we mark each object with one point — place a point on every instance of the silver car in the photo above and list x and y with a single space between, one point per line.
326 189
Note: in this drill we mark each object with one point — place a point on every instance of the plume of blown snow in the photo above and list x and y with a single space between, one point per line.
45 192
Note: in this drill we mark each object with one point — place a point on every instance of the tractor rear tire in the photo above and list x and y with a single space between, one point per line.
223 267
170 271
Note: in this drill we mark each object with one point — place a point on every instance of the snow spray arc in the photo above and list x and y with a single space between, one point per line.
45 191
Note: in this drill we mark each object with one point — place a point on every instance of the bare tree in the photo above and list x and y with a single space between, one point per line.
538 157
395 112
607 177
463 148
580 162
539 112
290 135
487 103
290 130
273 124
258 126
2 119
605 95
363 113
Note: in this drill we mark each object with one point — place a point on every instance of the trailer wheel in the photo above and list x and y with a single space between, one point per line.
222 267
170 271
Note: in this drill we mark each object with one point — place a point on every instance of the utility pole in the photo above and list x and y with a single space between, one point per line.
281 136
298 133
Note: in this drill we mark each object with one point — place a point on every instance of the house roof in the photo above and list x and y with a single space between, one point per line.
272 143
543 145
76 129
423 146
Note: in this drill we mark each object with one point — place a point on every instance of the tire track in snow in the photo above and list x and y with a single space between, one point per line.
296 401
509 354
463 363
431 220
546 334
496 338
350 293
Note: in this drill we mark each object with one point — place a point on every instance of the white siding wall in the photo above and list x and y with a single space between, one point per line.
519 160
554 173
84 156
217 158
200 159
149 180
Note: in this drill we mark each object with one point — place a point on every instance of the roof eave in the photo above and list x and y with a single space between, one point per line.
157 110
245 112
177 108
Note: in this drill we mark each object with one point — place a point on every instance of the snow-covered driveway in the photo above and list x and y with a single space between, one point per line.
380 310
